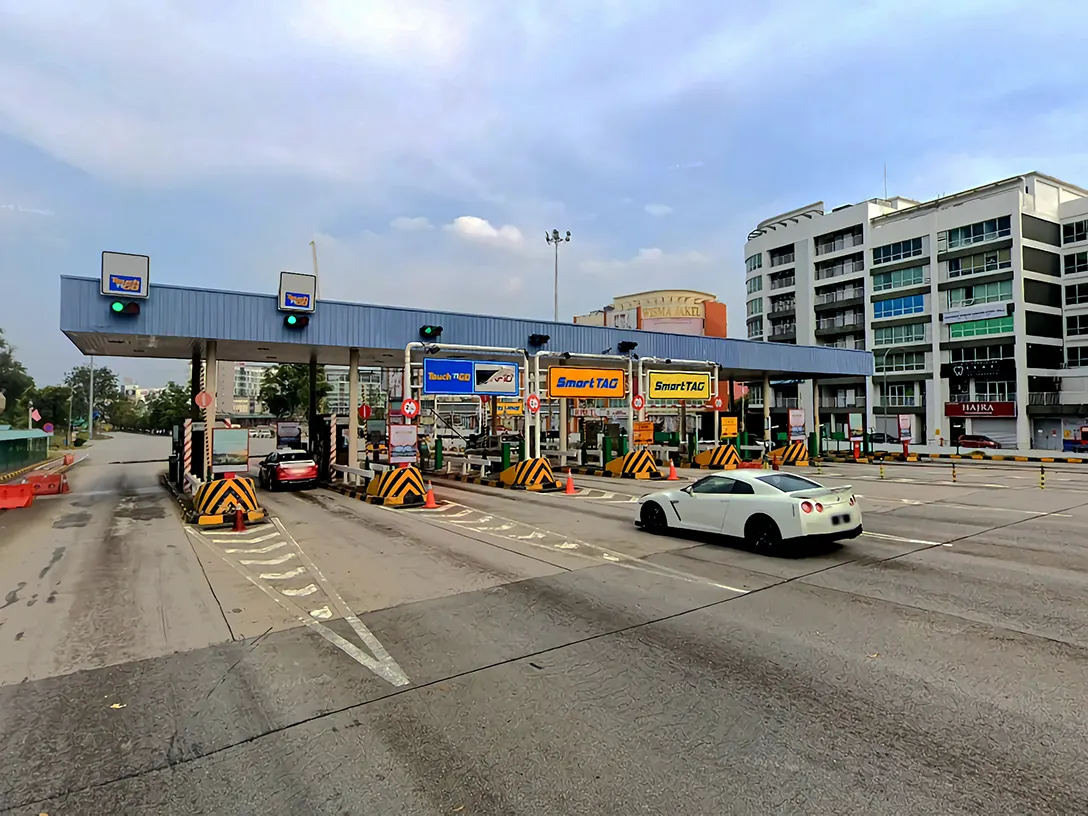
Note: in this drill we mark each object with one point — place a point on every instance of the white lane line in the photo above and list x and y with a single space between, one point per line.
267 548
389 669
923 542
938 503
392 675
256 540
282 576
309 589
268 562
324 613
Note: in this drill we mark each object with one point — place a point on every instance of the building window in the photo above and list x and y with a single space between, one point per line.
755 307
899 251
1076 325
1076 293
753 263
914 276
980 328
785 303
982 262
895 395
1076 356
1077 231
995 391
897 307
989 230
846 266
994 292
755 327
836 241
977 354
897 335
1076 263
782 256
903 361
755 284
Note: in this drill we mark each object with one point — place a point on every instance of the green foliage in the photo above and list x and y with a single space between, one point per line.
14 382
170 407
106 390
285 389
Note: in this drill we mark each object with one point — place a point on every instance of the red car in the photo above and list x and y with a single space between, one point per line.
287 466
976 441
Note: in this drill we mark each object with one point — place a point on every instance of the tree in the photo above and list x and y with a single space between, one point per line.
128 415
285 389
167 408
106 390
52 404
14 381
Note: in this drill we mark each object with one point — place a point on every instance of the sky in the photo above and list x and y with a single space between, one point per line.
426 146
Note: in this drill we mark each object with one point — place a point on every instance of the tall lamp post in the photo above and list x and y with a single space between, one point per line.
555 238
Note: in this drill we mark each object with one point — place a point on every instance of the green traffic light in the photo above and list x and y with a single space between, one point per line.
117 306
291 320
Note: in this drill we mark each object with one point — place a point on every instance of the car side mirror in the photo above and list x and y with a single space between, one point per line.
689 489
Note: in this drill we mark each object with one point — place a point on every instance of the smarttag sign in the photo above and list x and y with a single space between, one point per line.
125 275
298 292
679 385
443 376
586 383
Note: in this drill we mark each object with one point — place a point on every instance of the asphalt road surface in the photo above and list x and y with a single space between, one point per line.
513 654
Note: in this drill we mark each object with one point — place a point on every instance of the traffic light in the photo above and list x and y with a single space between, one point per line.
129 308
430 332
296 321
626 346
539 339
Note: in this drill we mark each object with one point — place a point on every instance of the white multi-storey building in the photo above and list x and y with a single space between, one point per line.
975 306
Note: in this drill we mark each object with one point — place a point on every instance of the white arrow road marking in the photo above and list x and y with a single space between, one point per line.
887 537
257 550
324 613
256 540
381 663
282 576
268 562
309 589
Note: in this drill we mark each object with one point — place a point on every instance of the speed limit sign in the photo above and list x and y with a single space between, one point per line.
638 402
532 402
718 403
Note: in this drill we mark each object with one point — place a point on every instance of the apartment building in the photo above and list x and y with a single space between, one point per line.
975 306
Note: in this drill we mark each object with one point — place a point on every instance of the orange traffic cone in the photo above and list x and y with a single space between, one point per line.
429 503
672 472
570 491
239 520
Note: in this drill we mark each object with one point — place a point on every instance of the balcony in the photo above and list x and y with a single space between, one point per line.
842 294
840 243
845 343
963 398
782 260
838 270
786 402
857 401
836 323
783 305
783 283
902 401
784 330
1044 398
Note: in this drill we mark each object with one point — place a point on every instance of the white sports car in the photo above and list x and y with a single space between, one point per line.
763 507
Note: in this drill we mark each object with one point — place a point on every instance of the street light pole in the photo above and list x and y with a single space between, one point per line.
555 238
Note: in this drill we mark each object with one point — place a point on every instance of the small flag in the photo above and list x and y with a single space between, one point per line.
35 415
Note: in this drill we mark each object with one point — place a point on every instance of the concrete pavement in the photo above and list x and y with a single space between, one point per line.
558 661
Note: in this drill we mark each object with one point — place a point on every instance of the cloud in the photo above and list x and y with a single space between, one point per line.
480 230
404 224
658 210
21 208
648 259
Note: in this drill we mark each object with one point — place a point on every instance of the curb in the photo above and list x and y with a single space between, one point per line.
359 494
479 480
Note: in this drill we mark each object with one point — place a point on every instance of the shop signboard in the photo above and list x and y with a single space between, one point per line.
797 424
980 409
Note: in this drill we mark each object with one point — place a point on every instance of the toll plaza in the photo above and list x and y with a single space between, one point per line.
467 395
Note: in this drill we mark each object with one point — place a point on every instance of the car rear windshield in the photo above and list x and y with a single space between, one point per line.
788 483
295 456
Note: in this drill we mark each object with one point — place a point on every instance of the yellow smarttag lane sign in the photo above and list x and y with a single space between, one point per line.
586 383
679 385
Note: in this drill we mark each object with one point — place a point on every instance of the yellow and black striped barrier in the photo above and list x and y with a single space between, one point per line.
638 464
397 487
530 474
216 501
723 457
795 453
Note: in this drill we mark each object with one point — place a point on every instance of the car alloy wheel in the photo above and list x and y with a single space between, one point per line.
653 518
766 535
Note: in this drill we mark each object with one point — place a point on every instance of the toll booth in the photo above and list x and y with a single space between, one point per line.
319 447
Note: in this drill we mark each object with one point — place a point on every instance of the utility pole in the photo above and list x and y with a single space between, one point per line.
90 405
317 282
555 238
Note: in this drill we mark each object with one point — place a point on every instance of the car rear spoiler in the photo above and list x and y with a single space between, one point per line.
817 492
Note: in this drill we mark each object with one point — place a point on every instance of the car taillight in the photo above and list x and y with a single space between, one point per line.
819 507
806 507
281 471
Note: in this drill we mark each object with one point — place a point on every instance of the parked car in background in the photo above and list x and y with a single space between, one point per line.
976 441
287 467
764 508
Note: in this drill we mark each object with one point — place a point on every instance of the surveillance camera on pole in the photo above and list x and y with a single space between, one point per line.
556 239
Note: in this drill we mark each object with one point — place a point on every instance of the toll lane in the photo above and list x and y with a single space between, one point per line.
102 575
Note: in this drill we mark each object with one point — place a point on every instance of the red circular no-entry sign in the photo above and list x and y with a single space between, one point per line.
365 411
203 399
638 402
718 403
410 408
532 402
